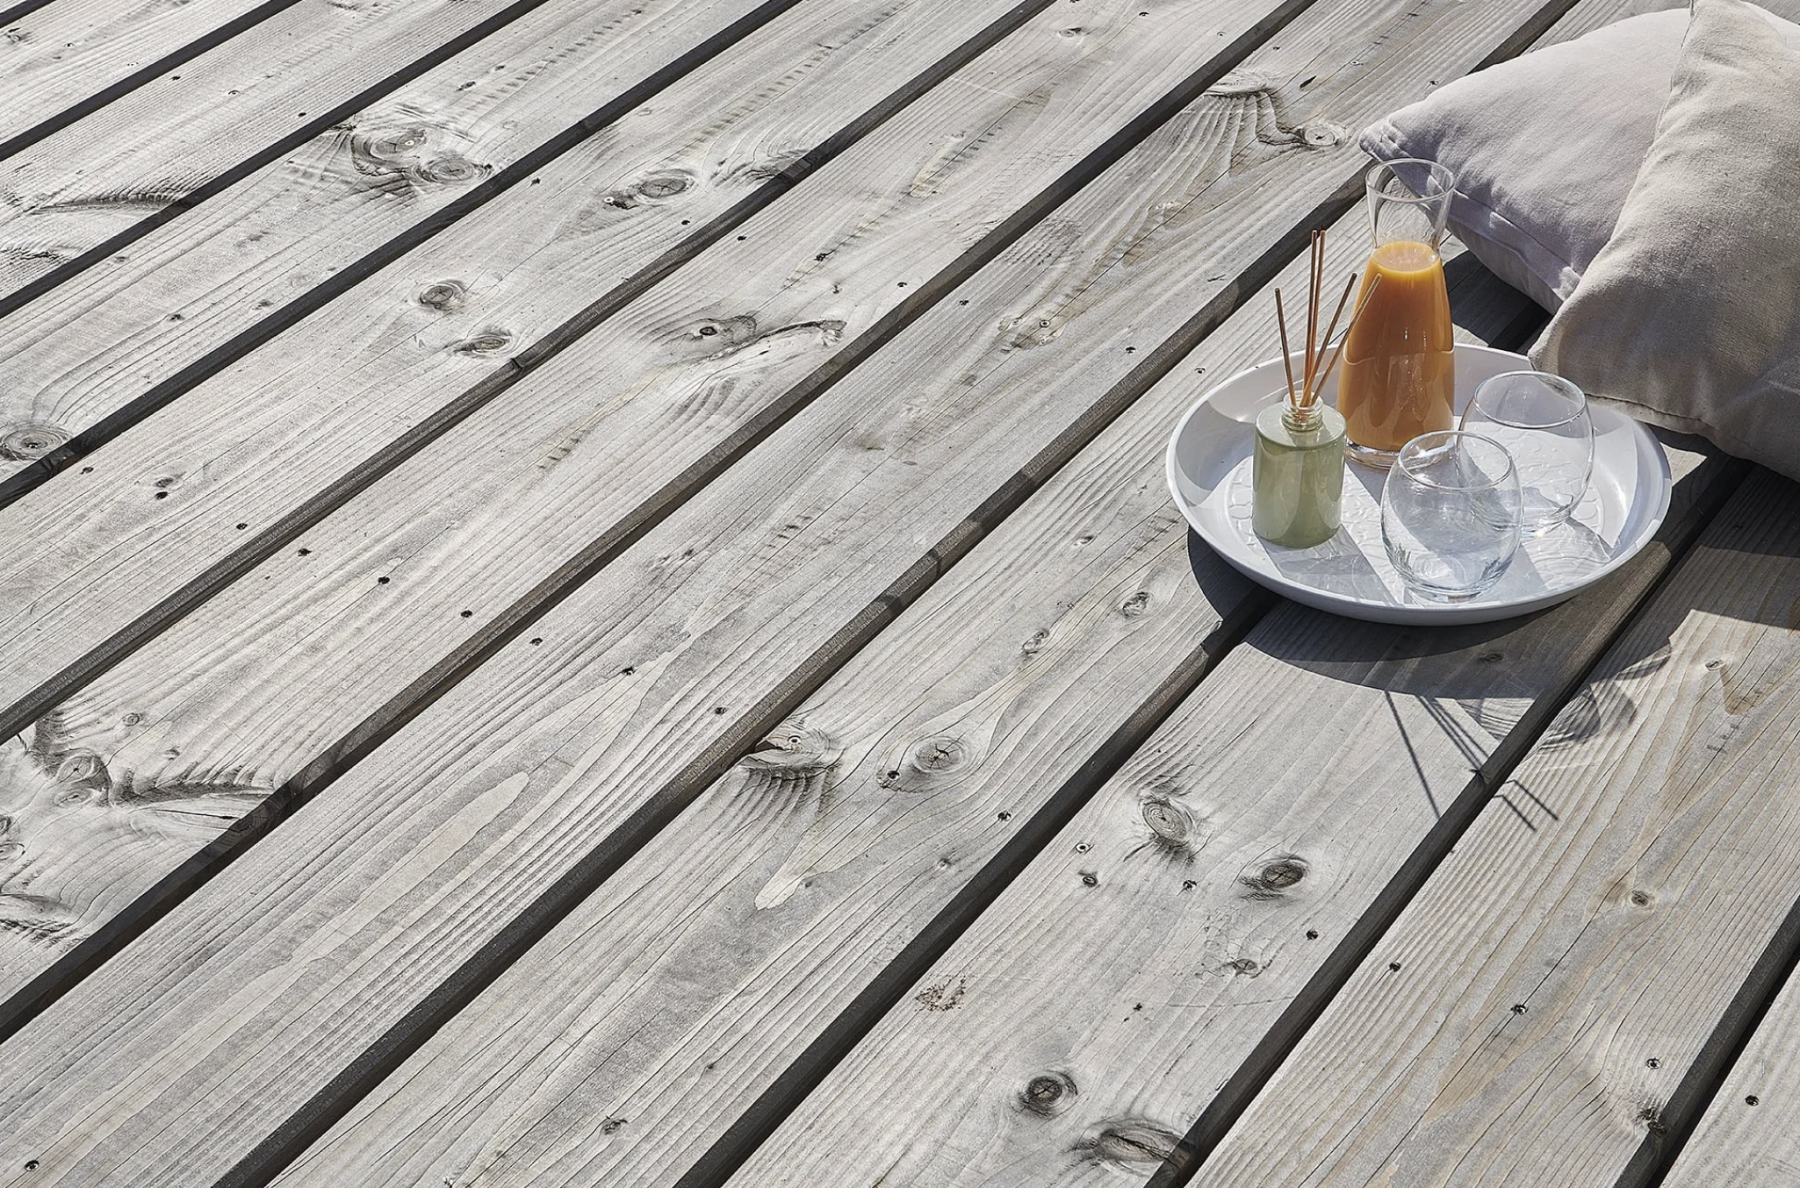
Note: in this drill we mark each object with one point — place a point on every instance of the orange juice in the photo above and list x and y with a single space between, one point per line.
1399 378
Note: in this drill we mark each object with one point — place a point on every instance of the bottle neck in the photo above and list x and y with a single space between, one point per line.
1303 420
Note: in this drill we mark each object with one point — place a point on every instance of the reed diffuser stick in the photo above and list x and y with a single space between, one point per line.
1355 317
1311 395
1287 356
1314 265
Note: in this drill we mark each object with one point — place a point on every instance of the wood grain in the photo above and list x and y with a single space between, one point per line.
387 635
1128 990
79 193
1750 1133
64 60
618 731
366 614
151 525
615 702
112 343
1045 654
1566 967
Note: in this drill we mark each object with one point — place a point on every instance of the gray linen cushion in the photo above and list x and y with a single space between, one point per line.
1545 147
1690 315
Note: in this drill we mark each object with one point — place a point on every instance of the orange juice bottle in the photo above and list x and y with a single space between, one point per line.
1399 372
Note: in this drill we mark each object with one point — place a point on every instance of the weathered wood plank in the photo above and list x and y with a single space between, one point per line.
67 59
1561 976
880 802
198 493
112 343
404 588
81 194
636 616
689 646
1750 1133
1122 993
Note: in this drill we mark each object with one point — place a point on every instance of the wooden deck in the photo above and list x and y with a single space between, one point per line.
587 598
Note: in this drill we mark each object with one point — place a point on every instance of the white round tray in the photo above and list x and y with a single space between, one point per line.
1209 475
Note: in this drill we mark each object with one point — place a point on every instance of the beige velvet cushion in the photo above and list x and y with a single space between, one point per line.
1690 315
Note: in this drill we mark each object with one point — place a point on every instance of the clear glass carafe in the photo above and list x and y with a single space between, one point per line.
1399 371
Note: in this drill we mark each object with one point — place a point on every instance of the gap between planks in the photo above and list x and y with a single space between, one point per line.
363 737
1288 250
313 125
93 77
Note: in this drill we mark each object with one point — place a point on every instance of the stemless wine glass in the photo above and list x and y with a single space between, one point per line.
1543 421
1450 514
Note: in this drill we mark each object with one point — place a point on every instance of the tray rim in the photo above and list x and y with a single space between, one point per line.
1419 613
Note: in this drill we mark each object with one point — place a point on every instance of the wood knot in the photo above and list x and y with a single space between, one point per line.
1049 1094
1035 644
938 754
84 769
1321 134
655 187
445 296
30 441
1172 827
487 342
725 334
452 169
1244 966
1272 879
793 749
1128 1143
396 153
1134 606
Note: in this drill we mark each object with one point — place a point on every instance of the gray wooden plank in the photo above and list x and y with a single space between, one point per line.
1750 1132
1563 974
71 198
1127 990
575 461
690 646
66 59
206 488
632 735
882 799
189 296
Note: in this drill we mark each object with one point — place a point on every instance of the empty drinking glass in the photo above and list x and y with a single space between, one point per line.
1450 514
1542 420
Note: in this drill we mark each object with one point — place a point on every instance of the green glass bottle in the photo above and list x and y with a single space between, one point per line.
1297 474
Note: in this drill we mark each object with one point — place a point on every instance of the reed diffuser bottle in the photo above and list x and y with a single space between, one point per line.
1297 467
